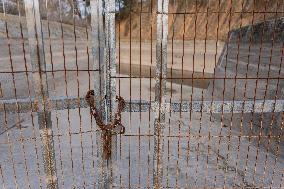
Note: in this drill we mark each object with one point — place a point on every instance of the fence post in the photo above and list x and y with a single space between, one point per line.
103 48
37 57
110 62
160 90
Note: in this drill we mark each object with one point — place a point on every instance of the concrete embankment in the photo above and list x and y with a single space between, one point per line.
252 65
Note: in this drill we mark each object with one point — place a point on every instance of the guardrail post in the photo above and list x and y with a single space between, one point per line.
103 42
160 90
37 56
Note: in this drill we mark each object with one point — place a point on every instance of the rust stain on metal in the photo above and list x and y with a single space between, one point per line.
109 129
115 126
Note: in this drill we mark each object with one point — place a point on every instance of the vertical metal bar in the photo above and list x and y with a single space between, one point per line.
213 90
246 90
98 47
78 95
2 177
27 180
89 86
110 62
62 179
103 41
110 57
173 35
266 95
119 81
36 47
224 89
130 90
150 94
29 94
140 94
64 44
181 99
160 90
253 113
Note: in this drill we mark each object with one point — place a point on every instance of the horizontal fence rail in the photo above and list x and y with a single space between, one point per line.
61 103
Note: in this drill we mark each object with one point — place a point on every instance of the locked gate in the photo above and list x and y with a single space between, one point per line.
202 81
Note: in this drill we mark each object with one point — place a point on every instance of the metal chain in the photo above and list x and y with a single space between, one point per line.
115 127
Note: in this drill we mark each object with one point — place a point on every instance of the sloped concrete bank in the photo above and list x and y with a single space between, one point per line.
251 65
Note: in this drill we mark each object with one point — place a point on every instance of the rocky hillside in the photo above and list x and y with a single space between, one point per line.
222 16
202 25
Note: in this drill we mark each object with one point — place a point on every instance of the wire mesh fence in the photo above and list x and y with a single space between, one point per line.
202 81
